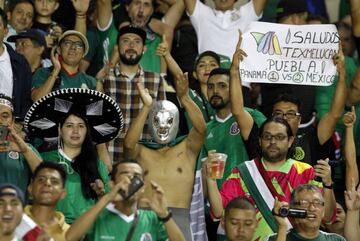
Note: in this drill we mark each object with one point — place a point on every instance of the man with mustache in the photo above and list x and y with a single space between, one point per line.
271 177
309 198
223 132
121 83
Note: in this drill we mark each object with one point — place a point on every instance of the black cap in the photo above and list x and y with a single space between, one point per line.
34 34
134 30
18 193
288 7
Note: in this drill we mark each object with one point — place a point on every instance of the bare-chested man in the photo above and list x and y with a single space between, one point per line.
173 167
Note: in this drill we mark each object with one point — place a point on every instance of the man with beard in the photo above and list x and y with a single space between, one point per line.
121 84
223 132
272 176
309 198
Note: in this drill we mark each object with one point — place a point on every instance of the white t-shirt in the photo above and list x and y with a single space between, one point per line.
218 31
6 74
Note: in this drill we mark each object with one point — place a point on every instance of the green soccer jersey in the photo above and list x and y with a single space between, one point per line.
323 236
78 80
224 136
113 225
15 169
74 204
149 61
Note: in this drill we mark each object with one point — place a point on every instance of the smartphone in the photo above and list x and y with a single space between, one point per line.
4 131
135 184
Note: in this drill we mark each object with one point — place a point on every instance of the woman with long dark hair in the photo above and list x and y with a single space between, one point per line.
87 176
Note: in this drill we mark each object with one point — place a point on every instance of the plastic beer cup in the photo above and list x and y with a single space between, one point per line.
218 161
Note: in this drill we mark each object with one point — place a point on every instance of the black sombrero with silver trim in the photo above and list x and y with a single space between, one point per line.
103 114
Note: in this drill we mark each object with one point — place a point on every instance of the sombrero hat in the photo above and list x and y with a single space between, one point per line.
102 113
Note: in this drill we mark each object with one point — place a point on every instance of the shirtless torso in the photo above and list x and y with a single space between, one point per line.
171 167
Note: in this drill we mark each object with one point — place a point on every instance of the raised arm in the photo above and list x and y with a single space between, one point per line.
174 13
131 146
355 16
196 136
350 152
352 201
82 224
81 7
328 122
163 51
354 90
17 144
259 6
243 118
47 87
190 6
104 13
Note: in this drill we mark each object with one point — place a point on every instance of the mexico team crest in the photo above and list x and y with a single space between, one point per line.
234 129
146 237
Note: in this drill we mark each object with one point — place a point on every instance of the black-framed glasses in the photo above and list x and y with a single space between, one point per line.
307 203
287 115
77 44
277 137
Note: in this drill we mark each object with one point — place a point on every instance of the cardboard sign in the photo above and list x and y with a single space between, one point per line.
289 54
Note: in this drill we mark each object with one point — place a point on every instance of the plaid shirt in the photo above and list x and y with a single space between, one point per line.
122 89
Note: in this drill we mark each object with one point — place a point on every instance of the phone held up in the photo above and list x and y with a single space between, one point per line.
135 184
4 131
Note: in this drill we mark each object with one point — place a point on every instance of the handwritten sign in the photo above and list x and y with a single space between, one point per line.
289 54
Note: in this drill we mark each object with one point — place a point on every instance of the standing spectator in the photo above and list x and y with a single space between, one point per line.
217 29
64 73
20 14
121 84
17 158
31 44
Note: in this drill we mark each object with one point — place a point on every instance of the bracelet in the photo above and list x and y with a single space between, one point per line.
166 218
81 15
328 187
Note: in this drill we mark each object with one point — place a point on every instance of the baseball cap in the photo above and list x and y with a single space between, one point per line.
18 193
288 7
80 35
134 30
34 34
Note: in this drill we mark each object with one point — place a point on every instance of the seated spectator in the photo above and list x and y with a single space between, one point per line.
17 158
20 14
32 45
309 198
239 220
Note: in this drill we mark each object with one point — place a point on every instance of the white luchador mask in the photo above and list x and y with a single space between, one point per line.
164 121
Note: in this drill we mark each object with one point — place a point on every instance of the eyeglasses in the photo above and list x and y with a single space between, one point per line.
277 137
289 115
68 43
23 44
307 203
